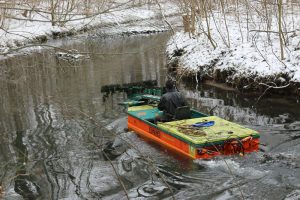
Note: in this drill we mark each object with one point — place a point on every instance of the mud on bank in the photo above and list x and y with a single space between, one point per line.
232 79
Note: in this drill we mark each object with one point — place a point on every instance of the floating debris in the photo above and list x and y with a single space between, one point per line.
71 56
113 149
150 189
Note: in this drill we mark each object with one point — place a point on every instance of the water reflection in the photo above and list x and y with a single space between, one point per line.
241 108
54 124
51 108
24 183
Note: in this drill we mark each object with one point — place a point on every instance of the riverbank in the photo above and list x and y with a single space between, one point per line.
249 62
126 18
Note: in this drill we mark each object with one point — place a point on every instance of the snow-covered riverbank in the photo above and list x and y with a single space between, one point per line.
127 19
251 61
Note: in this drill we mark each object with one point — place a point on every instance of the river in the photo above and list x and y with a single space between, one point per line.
55 122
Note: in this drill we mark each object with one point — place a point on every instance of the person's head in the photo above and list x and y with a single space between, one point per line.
170 84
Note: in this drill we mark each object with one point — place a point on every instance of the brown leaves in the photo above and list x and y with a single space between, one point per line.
191 131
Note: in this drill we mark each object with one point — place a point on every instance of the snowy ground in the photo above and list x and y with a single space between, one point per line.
250 55
18 33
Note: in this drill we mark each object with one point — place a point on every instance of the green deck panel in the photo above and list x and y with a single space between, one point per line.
145 112
221 131
151 97
197 114
148 112
140 108
131 103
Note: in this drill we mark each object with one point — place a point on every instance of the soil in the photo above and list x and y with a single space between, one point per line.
228 80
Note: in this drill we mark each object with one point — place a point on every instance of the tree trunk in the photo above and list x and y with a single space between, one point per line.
280 29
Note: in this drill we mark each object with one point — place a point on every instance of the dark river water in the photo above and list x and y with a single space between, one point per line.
55 124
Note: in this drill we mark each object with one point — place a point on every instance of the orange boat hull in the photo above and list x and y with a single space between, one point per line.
230 147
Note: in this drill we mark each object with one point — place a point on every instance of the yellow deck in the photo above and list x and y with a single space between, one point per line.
222 130
142 107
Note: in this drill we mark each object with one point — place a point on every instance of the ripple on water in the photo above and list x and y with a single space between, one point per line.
133 167
101 179
58 133
118 125
294 195
233 168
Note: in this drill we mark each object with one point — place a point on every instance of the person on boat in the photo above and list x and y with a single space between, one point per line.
169 101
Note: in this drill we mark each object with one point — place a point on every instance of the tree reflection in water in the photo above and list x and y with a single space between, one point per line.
24 185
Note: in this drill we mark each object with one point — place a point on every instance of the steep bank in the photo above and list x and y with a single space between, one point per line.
250 61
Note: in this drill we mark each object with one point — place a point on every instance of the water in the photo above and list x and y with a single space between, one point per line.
54 123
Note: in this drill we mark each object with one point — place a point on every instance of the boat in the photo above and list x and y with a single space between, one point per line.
198 136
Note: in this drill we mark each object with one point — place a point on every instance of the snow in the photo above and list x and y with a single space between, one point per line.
21 32
297 76
250 57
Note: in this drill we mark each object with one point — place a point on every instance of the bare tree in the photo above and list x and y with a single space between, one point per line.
266 17
280 32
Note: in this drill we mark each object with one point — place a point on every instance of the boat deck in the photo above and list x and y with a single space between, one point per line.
221 131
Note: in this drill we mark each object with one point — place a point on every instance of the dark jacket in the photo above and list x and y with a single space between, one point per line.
170 101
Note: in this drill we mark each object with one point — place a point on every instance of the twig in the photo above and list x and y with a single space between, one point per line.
10 32
270 87
129 144
266 31
118 176
167 22
275 87
81 18
257 49
164 17
230 171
